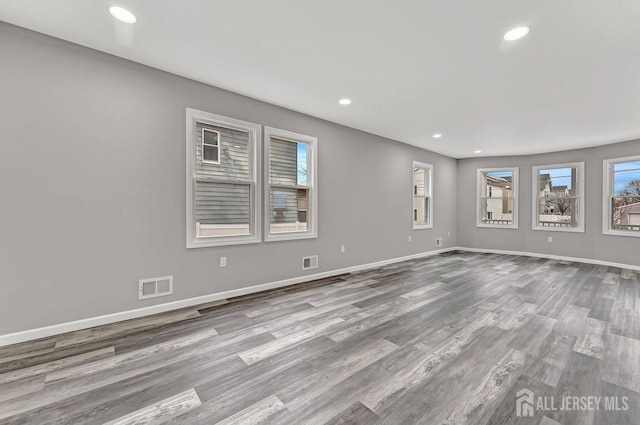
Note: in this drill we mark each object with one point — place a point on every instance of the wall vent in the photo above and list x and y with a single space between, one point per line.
438 241
155 287
310 262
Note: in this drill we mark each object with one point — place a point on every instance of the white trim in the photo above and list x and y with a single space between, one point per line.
312 184
254 131
218 146
48 331
429 169
580 166
607 194
606 188
549 256
621 233
515 184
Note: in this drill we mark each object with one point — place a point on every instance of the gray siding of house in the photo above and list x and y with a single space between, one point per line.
222 202
234 155
283 157
290 213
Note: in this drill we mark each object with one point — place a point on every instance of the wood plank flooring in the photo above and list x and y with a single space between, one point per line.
448 339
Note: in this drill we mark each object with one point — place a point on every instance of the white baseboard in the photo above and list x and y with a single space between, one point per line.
549 256
48 331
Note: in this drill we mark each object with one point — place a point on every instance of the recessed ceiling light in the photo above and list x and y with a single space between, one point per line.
345 101
516 33
437 136
477 151
122 14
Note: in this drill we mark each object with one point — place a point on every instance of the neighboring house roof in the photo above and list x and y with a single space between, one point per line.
629 205
545 179
549 188
498 181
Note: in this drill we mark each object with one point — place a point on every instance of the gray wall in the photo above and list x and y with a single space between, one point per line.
591 245
92 187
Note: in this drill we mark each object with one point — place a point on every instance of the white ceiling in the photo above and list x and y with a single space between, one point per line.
412 68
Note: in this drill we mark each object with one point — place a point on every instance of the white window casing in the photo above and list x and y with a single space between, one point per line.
497 203
422 195
205 145
573 200
225 191
620 220
290 185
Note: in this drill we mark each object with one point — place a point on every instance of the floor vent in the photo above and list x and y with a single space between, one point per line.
310 262
156 287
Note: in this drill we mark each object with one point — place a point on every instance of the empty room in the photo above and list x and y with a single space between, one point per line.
337 212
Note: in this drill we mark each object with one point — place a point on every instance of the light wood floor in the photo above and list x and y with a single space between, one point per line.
448 339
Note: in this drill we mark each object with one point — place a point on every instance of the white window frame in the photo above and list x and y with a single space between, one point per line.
254 130
607 195
312 184
204 161
581 193
515 184
428 168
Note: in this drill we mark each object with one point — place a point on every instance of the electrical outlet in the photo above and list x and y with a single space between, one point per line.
223 261
409 238
342 249
550 239
438 241
448 233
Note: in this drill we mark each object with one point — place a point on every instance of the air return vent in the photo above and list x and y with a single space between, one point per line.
156 287
310 262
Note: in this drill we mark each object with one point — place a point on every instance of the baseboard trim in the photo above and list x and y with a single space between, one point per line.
549 256
53 330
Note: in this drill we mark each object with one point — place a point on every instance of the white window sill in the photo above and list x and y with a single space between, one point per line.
621 233
498 226
213 242
422 226
561 229
292 236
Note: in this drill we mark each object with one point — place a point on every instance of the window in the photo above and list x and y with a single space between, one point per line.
210 146
497 198
222 203
279 201
422 188
621 205
290 192
558 197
